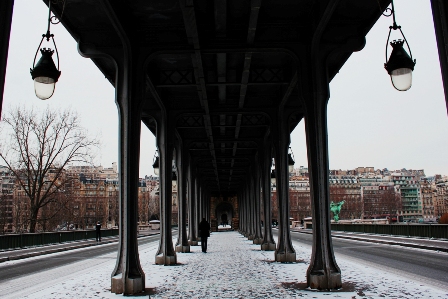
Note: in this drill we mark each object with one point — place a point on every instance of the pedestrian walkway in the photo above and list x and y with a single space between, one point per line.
233 267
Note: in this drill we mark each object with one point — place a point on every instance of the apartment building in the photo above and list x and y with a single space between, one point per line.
429 197
441 197
344 186
409 187
299 198
6 199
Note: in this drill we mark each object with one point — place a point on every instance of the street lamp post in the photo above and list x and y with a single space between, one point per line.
156 164
291 161
44 73
400 64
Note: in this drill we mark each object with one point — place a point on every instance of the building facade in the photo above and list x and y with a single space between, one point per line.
6 200
441 194
409 187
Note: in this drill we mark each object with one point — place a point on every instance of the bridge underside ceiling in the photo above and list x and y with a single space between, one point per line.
222 69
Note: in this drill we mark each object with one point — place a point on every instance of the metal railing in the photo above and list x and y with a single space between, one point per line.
16 241
438 231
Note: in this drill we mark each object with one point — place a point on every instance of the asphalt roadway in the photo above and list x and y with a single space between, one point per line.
424 265
31 266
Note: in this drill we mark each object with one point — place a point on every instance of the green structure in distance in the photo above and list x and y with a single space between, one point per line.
336 209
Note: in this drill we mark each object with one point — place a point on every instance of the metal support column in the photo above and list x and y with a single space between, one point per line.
440 17
192 236
243 212
284 252
258 238
127 277
250 210
182 240
6 9
166 254
196 206
323 272
268 243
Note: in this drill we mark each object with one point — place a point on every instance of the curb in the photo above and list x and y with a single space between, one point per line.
86 243
53 250
411 245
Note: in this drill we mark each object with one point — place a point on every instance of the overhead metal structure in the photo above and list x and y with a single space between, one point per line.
221 84
440 17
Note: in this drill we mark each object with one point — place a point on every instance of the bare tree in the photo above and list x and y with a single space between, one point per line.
304 205
352 207
39 149
389 202
382 203
154 206
79 212
274 206
20 212
143 207
3 212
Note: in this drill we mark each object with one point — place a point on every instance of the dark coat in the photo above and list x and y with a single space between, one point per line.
204 228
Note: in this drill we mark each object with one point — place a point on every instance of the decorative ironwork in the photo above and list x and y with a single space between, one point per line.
176 77
199 146
266 75
254 119
191 121
387 12
400 65
54 19
395 27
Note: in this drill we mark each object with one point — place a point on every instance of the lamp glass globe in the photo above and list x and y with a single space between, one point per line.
401 79
44 87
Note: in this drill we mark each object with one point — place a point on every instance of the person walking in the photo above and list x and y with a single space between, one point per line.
204 228
98 231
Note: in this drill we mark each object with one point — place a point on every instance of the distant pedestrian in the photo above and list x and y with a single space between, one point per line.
98 231
204 229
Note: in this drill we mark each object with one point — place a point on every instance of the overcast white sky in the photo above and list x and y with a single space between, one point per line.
370 123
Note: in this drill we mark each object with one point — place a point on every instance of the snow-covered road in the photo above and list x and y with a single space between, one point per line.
232 268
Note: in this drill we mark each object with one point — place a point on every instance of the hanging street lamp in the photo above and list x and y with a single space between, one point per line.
156 164
291 161
174 179
400 64
174 173
44 72
273 179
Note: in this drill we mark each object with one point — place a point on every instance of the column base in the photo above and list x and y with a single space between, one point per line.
321 281
166 260
250 237
193 243
258 241
268 246
133 285
184 249
289 257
